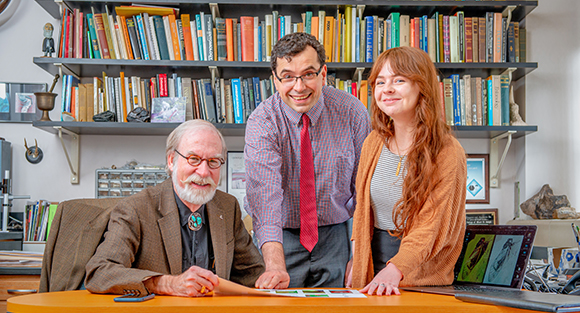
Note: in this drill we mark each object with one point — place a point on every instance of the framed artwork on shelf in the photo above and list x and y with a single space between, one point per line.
236 177
18 102
481 216
477 179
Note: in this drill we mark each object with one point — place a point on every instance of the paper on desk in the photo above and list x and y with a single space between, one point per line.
228 288
20 259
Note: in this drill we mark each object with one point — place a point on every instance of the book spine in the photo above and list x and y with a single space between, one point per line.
143 38
101 37
200 43
187 40
161 38
220 24
237 100
446 40
505 100
369 39
209 37
456 100
247 38
194 40
93 33
174 37
133 38
468 28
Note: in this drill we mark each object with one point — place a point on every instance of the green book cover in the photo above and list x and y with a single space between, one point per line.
51 212
395 29
308 22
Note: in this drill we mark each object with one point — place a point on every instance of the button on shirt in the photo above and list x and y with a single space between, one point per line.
195 245
339 126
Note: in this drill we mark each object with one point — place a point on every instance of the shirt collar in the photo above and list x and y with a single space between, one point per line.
314 113
185 212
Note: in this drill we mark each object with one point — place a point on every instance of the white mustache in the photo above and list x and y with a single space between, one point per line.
196 179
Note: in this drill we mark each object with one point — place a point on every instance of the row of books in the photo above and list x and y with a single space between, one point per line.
348 36
476 101
223 101
38 218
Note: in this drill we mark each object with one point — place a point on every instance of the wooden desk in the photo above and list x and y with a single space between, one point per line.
408 302
17 281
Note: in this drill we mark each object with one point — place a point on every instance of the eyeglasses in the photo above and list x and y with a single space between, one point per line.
194 160
291 80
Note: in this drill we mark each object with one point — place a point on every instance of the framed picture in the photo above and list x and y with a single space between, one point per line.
481 216
236 176
18 103
477 178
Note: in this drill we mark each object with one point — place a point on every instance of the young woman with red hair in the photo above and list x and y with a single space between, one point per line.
410 216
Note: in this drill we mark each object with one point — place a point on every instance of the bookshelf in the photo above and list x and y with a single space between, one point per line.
235 9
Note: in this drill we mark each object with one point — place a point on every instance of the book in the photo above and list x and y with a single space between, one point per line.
468 30
161 38
108 34
505 99
174 37
497 37
482 39
142 38
220 25
93 36
168 110
187 40
229 106
237 100
369 39
209 40
454 39
135 46
456 99
209 104
328 37
195 49
448 96
101 37
247 38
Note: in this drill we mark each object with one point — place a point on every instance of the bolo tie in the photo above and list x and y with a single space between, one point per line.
194 221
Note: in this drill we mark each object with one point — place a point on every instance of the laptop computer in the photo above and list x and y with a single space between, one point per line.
493 257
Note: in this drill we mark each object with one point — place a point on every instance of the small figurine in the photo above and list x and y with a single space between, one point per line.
48 42
515 118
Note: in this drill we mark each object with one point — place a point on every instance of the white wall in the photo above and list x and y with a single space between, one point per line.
552 95
543 157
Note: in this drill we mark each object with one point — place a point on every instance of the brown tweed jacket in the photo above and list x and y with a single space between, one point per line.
76 231
143 239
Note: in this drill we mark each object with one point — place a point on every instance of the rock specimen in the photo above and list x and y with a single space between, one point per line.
544 204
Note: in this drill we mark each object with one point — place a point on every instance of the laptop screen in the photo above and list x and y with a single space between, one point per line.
495 255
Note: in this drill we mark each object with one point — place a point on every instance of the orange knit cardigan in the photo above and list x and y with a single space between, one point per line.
428 253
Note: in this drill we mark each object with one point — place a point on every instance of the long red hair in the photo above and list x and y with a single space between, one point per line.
430 130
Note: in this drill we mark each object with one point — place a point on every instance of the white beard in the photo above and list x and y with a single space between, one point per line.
190 194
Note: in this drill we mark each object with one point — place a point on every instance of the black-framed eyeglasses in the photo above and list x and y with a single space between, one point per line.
195 160
291 80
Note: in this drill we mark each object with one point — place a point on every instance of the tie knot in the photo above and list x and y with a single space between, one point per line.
305 120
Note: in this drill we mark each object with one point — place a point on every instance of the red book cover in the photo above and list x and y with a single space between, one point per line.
163 85
101 37
71 35
468 39
247 34
417 32
412 33
153 87
66 36
353 88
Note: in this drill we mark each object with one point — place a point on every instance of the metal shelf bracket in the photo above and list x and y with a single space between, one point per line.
63 69
215 10
73 160
215 73
494 165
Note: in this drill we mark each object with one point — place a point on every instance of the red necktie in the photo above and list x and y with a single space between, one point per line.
308 216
